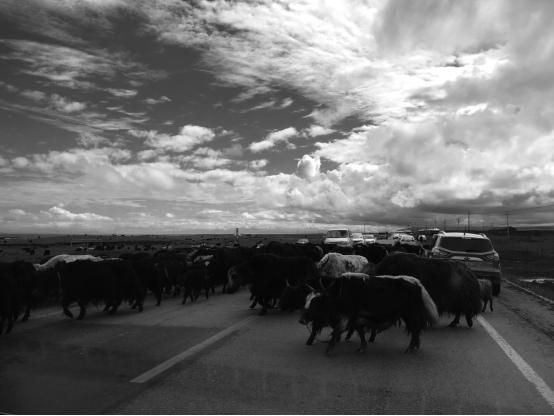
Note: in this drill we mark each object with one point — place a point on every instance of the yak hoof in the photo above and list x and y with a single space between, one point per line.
469 322
68 313
453 324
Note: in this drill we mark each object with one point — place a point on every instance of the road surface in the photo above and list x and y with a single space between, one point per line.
217 356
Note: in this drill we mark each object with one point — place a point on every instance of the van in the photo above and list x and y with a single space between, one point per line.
340 237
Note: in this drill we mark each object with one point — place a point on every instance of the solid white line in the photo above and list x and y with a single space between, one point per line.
148 375
520 363
530 292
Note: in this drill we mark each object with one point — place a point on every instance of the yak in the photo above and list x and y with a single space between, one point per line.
451 284
268 275
360 302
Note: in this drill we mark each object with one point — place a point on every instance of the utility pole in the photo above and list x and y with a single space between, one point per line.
468 225
444 225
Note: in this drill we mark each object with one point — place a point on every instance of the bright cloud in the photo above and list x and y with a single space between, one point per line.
272 139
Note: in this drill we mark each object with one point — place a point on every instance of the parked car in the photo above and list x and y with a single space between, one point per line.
369 238
338 237
474 250
357 238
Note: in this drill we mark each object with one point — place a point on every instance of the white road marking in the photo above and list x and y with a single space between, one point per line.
520 363
160 368
530 292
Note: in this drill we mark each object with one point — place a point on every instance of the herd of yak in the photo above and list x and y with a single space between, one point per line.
364 290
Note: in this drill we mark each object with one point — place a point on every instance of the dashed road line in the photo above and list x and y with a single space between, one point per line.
527 371
160 368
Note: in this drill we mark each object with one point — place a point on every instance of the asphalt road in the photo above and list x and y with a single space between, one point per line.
217 356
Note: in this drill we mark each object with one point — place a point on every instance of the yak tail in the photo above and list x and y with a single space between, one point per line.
430 307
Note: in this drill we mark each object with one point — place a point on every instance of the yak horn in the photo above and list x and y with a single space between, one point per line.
309 287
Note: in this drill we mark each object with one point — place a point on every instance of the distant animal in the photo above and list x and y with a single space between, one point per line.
268 275
151 279
111 282
485 287
336 264
451 284
10 298
65 258
363 303
222 260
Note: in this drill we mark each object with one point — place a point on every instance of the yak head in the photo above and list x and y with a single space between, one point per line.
239 275
316 309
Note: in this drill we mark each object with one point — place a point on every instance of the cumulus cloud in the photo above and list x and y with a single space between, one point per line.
314 130
272 139
308 167
188 137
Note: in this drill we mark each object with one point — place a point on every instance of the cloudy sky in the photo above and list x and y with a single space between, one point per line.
166 116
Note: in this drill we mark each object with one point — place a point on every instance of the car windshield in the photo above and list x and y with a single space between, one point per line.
474 245
337 234
357 235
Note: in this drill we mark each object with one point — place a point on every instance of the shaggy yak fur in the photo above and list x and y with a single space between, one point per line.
451 284
362 303
486 293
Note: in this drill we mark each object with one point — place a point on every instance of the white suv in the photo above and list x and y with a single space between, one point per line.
339 237
475 250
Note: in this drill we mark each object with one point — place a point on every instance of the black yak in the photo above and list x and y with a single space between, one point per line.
451 284
359 302
268 275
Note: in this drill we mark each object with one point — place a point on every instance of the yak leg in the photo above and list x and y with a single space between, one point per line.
490 304
254 302
349 333
484 305
82 310
469 319
456 320
65 307
335 337
27 313
363 343
373 335
414 342
10 325
311 338
265 305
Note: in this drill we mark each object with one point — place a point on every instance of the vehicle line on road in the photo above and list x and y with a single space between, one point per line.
525 369
164 366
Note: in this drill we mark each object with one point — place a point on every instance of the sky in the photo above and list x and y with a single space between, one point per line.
170 116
